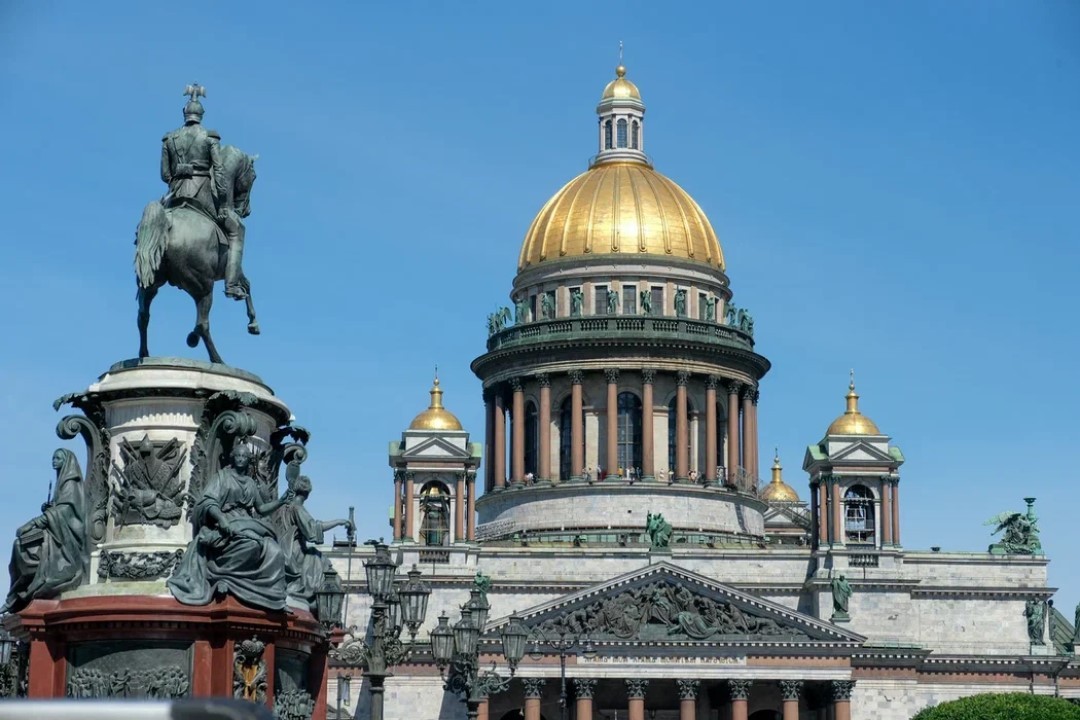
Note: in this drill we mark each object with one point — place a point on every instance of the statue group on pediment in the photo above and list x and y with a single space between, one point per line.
661 610
1020 532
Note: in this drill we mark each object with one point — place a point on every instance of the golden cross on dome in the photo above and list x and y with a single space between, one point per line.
195 91
852 385
620 52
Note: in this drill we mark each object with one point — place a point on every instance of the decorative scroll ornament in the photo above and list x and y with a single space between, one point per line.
138 566
223 423
92 430
163 683
150 489
662 610
249 671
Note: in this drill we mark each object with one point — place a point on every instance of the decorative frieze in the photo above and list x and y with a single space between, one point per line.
138 565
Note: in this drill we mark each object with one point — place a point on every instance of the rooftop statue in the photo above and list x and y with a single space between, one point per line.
1021 532
841 597
194 235
659 531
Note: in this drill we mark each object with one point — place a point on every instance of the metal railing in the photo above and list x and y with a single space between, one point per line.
616 326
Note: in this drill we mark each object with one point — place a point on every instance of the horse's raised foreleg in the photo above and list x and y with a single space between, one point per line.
253 323
202 326
145 297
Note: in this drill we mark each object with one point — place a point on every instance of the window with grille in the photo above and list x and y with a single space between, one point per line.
620 133
600 300
658 300
629 299
607 135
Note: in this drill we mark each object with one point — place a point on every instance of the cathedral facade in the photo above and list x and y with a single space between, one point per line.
621 515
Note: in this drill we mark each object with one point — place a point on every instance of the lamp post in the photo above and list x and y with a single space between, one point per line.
396 602
9 665
564 645
457 653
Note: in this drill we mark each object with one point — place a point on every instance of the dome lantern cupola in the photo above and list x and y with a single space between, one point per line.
622 122
852 422
778 490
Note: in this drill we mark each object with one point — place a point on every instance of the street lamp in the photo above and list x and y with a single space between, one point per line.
457 653
329 598
564 645
395 602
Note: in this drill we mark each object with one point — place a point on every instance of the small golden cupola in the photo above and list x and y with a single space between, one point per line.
778 491
436 417
852 422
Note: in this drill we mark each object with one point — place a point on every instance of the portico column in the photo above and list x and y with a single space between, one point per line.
517 426
886 512
838 512
740 695
841 697
789 692
533 688
688 690
397 505
682 437
410 518
471 509
748 428
583 691
489 440
710 429
612 463
499 461
823 512
733 431
756 470
895 510
635 691
459 514
648 446
482 709
544 465
577 445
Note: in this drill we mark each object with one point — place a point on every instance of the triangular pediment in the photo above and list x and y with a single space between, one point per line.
436 448
667 604
860 452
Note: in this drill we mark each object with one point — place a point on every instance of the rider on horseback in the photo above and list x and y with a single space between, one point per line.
191 165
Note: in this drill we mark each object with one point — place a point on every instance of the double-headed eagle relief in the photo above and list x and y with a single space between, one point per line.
194 235
151 489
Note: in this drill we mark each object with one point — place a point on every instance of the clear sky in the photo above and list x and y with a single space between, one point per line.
895 186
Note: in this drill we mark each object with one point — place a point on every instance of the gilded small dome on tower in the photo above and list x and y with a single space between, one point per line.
779 491
620 88
436 417
852 422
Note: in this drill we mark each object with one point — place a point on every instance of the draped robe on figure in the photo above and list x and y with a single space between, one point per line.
249 564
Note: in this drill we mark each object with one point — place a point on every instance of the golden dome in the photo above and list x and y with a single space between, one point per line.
778 490
436 417
621 208
620 87
852 422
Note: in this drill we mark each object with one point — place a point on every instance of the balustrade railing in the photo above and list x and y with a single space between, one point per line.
615 325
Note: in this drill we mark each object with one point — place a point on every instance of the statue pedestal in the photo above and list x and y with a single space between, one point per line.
138 646
156 430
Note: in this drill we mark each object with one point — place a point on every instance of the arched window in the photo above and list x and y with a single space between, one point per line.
859 515
628 435
532 437
621 133
565 438
634 133
607 135
435 511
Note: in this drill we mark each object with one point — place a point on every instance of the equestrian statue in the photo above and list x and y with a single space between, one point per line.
194 235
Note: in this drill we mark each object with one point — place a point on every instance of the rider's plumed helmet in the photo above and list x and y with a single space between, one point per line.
193 112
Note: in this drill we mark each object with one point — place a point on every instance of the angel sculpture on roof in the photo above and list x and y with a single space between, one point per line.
1020 532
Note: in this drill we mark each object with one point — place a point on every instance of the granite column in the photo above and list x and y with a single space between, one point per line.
517 426
577 431
682 430
648 442
544 462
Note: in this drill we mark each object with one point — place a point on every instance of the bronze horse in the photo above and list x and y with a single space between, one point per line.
185 248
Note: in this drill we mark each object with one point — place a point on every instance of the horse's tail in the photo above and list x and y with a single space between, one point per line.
150 243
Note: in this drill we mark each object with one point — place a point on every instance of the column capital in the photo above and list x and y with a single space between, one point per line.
755 396
516 384
739 689
790 689
841 690
688 689
488 394
746 392
543 379
682 378
576 376
635 687
733 387
711 382
612 375
533 686
648 376
584 687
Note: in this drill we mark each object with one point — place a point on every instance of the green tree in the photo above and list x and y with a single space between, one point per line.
1005 706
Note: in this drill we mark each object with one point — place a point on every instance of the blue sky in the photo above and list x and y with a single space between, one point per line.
894 184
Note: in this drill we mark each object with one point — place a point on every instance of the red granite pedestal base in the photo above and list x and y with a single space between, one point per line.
62 633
